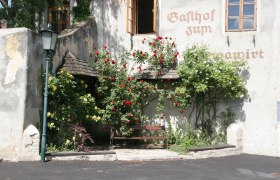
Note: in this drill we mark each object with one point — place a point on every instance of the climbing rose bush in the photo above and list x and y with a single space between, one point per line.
120 93
162 53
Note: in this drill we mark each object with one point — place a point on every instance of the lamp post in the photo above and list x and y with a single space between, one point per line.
48 38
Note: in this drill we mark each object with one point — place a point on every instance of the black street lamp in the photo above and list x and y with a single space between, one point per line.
48 41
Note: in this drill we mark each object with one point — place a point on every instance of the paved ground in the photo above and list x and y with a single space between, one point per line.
241 167
146 154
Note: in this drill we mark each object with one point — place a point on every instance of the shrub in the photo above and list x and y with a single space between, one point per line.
69 105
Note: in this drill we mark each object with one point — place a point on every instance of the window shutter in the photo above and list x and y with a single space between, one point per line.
155 16
226 26
130 16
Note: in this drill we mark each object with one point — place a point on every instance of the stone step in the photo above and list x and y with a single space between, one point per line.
204 148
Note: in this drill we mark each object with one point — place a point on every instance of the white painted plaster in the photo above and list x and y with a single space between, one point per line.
18 104
261 132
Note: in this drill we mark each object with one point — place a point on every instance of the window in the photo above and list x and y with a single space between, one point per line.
241 15
141 16
59 17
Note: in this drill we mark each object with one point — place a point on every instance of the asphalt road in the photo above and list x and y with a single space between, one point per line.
243 167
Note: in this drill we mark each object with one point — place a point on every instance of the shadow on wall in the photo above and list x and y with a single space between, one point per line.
80 40
108 16
34 86
181 121
172 116
237 106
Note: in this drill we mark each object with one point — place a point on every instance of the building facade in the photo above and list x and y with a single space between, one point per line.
247 29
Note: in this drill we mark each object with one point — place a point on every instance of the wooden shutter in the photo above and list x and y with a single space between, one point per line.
130 16
226 28
155 16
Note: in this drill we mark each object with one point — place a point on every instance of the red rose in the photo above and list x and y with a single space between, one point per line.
127 103
142 81
160 61
147 88
107 60
155 51
176 104
96 53
133 54
137 119
112 79
124 65
113 62
122 85
128 89
128 78
181 111
113 109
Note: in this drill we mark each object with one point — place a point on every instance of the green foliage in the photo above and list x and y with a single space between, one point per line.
206 78
202 71
82 10
23 13
185 140
227 118
195 138
120 94
69 104
123 96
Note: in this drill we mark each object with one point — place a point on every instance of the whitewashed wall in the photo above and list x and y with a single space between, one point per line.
260 48
20 94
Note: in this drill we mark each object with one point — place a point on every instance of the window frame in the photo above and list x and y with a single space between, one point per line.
240 17
131 18
59 21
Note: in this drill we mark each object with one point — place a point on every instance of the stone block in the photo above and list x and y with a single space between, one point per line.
235 134
30 144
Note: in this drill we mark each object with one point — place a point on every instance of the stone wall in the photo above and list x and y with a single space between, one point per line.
20 93
80 40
